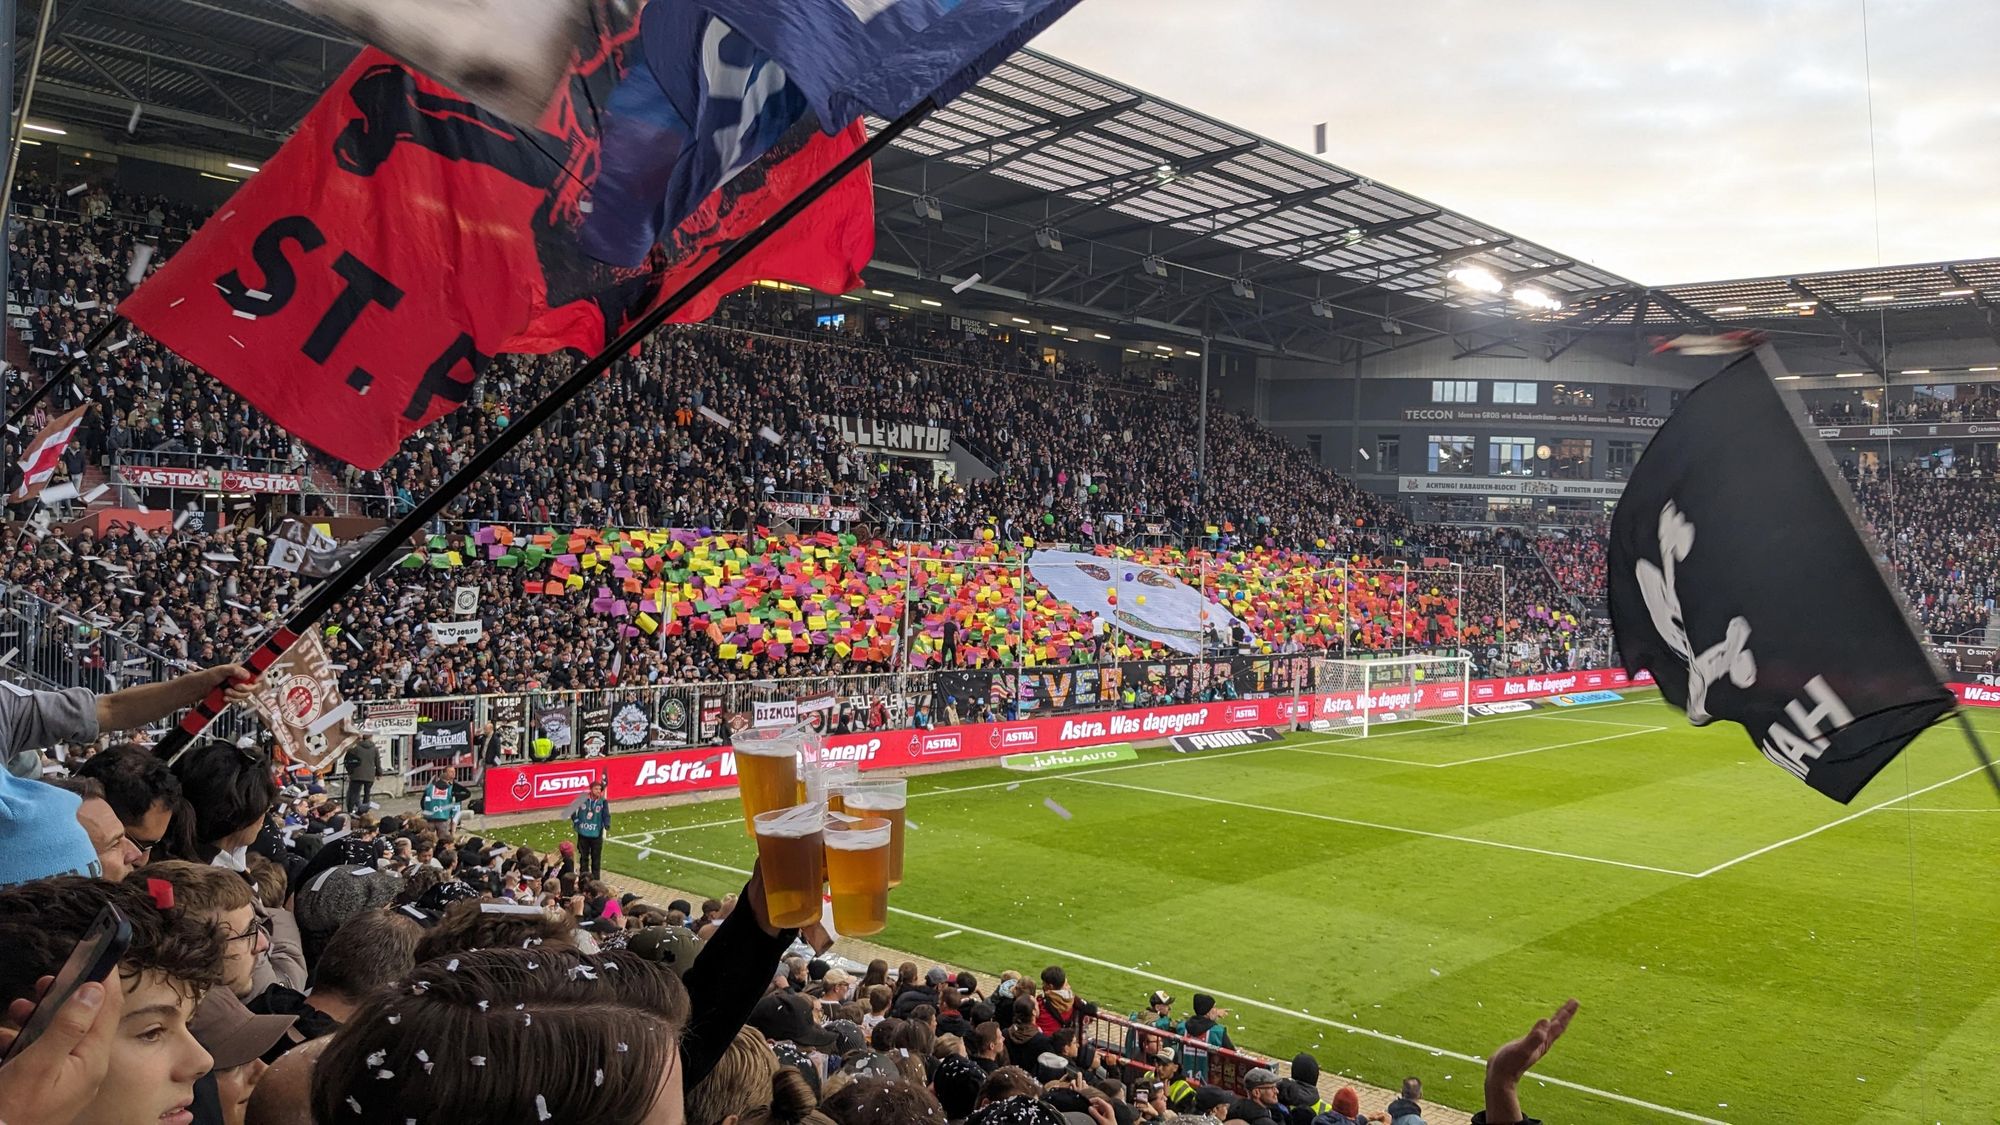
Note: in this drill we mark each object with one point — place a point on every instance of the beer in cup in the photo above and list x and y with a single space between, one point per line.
767 770
789 844
857 873
833 779
887 798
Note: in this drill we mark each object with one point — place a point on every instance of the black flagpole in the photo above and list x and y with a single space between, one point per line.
90 347
378 555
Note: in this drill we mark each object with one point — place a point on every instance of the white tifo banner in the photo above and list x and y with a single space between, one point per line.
1151 603
785 712
457 632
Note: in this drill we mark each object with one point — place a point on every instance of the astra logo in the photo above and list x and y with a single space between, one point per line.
565 781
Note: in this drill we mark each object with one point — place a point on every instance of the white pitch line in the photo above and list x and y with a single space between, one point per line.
1809 834
1953 810
1249 1002
1557 746
1482 758
1389 828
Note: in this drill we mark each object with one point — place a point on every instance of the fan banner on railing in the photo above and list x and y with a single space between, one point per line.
1142 600
356 287
1739 577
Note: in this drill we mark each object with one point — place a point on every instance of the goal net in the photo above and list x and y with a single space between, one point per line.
1355 697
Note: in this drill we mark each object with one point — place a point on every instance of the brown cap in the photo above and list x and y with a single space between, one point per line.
232 1033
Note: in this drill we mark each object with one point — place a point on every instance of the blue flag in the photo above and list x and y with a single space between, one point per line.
884 56
699 104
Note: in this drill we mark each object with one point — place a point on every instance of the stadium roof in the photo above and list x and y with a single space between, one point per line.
1168 221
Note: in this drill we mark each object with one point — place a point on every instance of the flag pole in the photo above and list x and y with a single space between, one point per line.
90 346
364 565
1979 749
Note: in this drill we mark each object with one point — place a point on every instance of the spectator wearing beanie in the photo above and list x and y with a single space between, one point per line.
39 833
1204 1026
1299 1093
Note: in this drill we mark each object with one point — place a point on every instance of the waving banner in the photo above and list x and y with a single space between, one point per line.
1142 600
1739 578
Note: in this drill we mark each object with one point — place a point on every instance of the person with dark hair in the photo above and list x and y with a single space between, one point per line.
914 994
791 1103
878 973
485 924
590 816
226 792
1408 1107
172 959
950 1014
370 952
497 1033
33 720
212 896
140 789
1020 1109
361 761
956 1086
116 854
1059 1008
1025 1041
986 1047
883 1101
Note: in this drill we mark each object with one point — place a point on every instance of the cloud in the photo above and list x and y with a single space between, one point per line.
1708 139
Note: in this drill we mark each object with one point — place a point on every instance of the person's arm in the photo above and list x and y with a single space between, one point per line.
728 978
136 706
1509 1063
286 962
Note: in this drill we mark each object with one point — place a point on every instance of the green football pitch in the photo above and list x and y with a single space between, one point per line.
1745 950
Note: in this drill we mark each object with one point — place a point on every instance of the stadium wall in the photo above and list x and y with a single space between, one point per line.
678 772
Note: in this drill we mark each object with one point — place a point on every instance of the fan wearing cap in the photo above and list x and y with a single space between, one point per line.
1257 1105
787 1017
236 1039
39 833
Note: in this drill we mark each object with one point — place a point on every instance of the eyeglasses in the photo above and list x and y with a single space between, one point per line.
145 846
260 928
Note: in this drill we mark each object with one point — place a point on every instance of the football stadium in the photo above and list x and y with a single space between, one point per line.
708 563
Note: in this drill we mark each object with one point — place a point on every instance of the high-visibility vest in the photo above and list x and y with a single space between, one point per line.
543 749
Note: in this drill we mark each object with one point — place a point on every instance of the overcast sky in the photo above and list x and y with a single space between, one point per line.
1668 142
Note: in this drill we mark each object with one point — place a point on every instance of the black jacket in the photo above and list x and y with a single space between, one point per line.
908 1000
1024 1052
724 984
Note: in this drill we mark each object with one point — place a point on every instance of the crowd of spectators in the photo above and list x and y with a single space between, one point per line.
680 436
1964 402
284 959
1939 527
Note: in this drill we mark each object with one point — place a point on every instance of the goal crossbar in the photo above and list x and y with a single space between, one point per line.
1358 697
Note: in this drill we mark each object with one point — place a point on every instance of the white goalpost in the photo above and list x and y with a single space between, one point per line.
1355 697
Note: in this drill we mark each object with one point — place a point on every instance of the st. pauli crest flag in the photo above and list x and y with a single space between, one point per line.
1740 579
299 697
354 289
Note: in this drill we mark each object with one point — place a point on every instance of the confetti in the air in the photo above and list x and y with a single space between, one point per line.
1050 804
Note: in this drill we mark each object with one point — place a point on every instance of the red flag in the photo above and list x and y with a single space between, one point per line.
355 288
45 455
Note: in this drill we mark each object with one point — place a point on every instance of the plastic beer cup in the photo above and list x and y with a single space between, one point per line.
767 770
790 846
857 874
886 798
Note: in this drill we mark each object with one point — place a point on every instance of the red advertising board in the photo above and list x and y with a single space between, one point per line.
1977 695
670 773
214 480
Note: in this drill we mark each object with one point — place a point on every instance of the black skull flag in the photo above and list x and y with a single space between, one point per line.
1740 579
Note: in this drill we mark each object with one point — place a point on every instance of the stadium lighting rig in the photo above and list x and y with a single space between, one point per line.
926 207
1477 278
1242 288
1049 238
1536 299
1154 264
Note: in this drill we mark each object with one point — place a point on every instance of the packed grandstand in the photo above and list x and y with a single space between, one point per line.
703 540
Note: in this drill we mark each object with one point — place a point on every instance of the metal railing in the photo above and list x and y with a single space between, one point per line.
1131 1046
